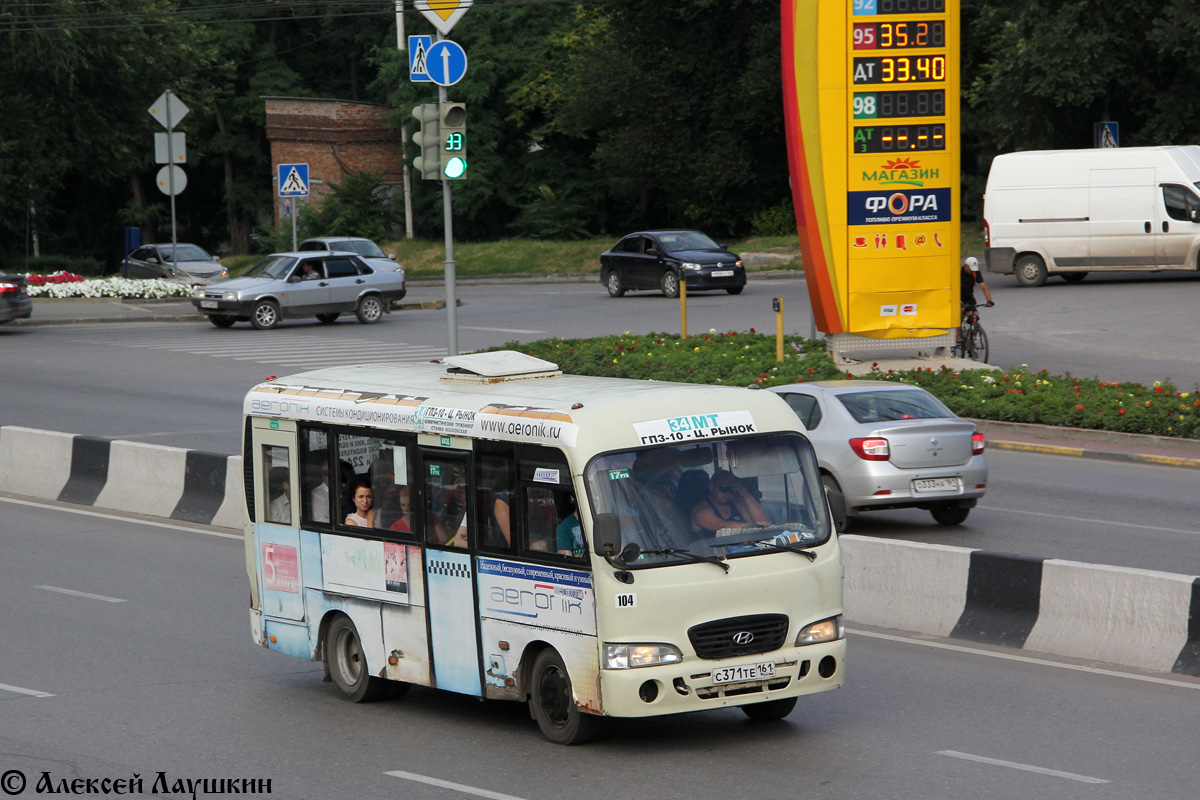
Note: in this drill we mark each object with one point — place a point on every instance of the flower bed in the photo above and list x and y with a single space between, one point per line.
743 359
66 284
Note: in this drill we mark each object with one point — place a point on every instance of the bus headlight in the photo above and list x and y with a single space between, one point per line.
631 656
827 630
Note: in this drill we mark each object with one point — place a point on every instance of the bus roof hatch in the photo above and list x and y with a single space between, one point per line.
501 364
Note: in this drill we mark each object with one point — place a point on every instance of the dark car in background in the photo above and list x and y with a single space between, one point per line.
324 285
14 301
194 266
660 259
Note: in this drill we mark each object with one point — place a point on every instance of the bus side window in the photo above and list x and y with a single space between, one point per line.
541 519
314 476
277 494
444 501
494 500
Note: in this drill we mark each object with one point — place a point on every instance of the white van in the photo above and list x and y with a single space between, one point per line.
1070 212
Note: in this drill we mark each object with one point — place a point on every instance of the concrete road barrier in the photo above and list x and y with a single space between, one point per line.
167 482
1115 615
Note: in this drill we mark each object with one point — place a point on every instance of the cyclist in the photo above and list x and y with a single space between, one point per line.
971 276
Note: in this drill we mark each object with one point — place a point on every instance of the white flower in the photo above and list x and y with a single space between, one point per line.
143 288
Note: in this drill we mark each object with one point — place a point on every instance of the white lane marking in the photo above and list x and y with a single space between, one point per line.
1041 662
496 330
117 518
4 687
1087 519
1026 767
454 787
74 593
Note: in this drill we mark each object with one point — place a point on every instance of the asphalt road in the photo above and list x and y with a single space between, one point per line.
137 640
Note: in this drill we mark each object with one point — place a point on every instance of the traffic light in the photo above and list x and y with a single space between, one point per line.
452 117
428 163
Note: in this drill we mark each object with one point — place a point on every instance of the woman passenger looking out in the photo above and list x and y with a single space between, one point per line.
360 492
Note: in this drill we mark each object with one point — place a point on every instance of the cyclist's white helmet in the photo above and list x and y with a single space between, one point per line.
972 263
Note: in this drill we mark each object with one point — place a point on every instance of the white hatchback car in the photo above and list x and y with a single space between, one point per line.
889 445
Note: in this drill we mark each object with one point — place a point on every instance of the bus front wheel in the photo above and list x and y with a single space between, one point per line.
770 710
552 703
347 665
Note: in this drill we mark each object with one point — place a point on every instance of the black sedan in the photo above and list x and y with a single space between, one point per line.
660 259
14 302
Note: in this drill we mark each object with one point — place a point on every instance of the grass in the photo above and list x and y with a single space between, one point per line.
424 258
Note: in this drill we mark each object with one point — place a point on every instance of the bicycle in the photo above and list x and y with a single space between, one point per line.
972 339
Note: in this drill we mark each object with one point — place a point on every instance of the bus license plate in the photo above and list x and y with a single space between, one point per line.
722 273
208 303
937 484
748 672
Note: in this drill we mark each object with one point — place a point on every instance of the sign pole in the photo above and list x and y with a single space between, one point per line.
292 206
451 288
171 181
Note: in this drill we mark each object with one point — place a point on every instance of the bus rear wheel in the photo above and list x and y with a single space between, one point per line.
552 703
770 710
347 665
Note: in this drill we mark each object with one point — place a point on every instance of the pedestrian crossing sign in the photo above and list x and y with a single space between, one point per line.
292 180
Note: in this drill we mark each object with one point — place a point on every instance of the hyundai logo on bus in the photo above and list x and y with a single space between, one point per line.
743 637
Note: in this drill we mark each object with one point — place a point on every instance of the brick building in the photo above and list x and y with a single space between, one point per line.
336 138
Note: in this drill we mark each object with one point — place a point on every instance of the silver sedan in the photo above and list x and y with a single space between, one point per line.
887 445
324 285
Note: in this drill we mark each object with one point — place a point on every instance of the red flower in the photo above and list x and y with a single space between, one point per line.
1079 407
1120 411
810 370
1158 390
752 330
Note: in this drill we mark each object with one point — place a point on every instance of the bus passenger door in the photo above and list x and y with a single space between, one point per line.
449 572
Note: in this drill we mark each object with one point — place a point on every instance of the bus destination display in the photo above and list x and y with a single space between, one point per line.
898 138
881 7
912 103
898 35
899 69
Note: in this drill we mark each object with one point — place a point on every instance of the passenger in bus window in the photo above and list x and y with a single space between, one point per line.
345 477
569 534
319 496
404 522
362 515
727 505
387 493
280 509
493 500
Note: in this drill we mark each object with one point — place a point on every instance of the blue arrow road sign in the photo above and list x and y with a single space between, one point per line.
445 63
418 49
293 180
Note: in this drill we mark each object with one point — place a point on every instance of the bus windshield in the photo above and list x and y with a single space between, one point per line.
741 497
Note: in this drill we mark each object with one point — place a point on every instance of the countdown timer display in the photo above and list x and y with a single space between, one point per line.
916 103
899 35
899 69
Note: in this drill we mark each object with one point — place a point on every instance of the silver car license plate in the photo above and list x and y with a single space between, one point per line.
208 303
937 484
746 672
722 273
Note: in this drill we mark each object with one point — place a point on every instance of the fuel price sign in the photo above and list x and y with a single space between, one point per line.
871 103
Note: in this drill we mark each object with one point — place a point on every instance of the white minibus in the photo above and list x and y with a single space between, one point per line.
591 546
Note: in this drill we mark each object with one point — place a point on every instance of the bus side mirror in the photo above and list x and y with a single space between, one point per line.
837 507
606 532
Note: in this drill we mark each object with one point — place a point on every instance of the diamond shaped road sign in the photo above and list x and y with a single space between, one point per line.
168 109
443 14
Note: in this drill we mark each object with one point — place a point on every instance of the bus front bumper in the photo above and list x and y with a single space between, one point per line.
689 686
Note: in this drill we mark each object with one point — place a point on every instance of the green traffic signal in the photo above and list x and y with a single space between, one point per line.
452 128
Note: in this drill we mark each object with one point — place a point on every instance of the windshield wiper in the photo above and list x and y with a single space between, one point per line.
690 556
791 547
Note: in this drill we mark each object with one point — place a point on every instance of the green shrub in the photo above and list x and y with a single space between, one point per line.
747 359
778 220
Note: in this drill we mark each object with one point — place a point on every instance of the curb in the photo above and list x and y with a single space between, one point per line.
416 305
1101 455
